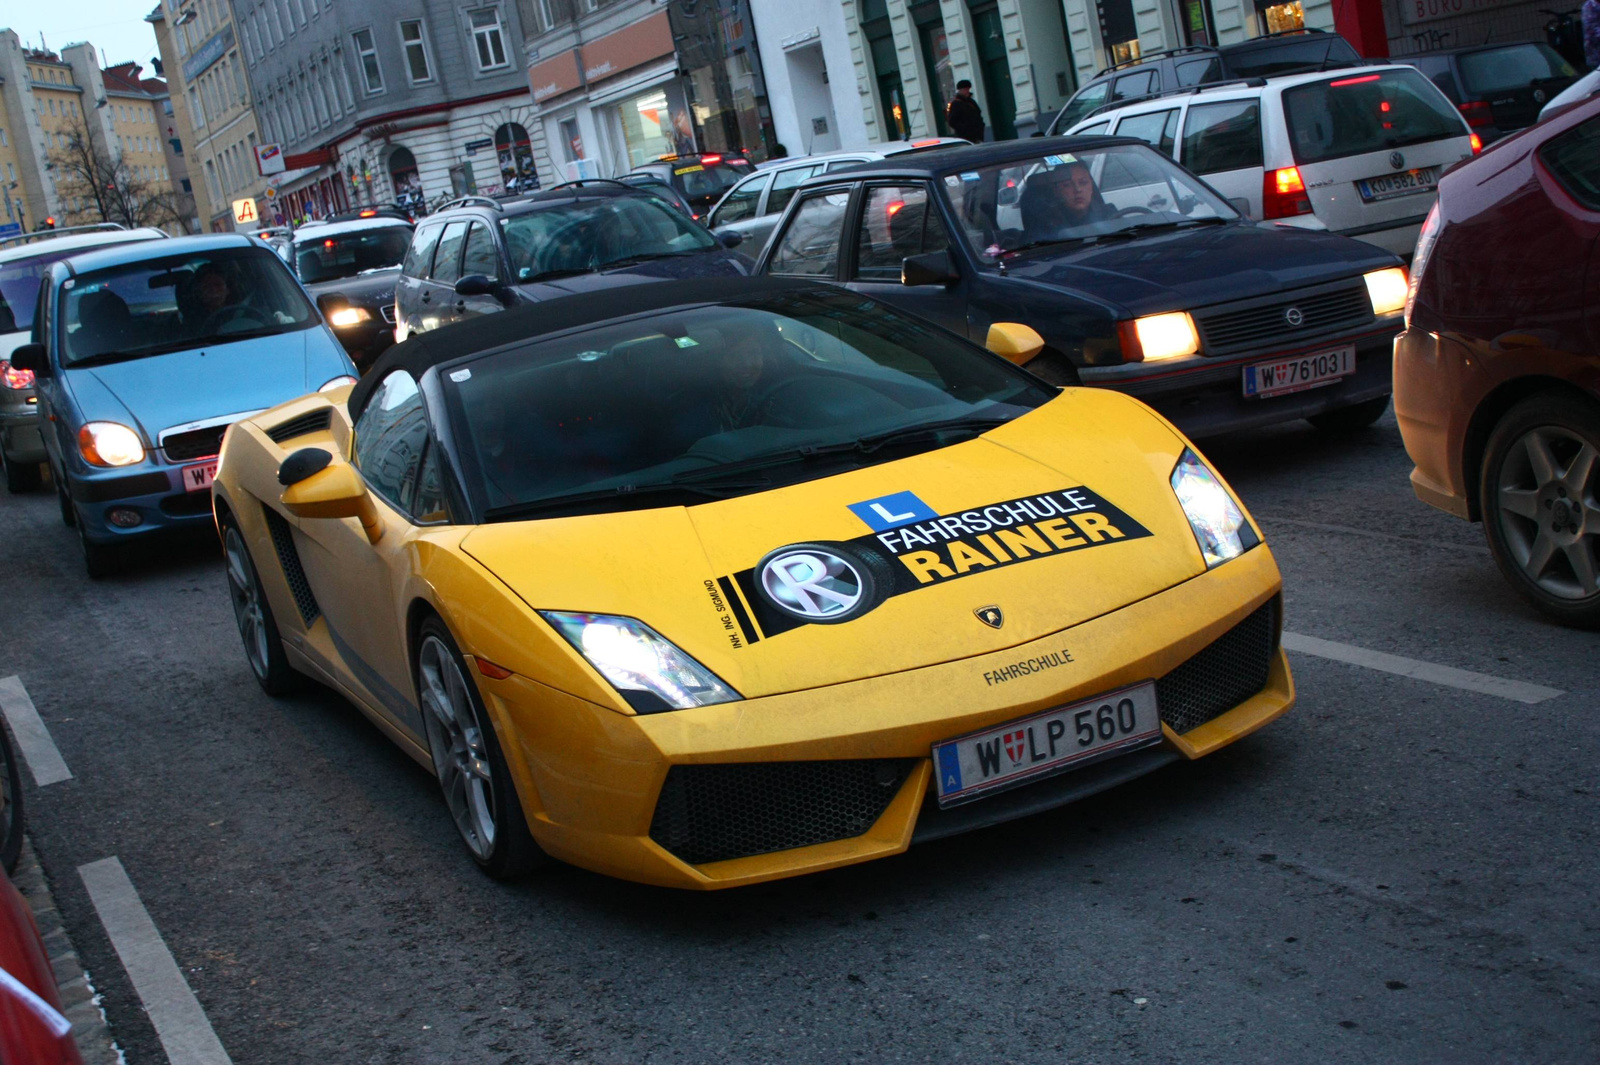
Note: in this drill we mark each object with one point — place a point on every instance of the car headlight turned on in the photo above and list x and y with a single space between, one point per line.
644 666
1219 525
1387 290
1158 336
337 382
345 317
109 444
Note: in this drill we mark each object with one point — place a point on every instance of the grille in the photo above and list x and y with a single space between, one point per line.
388 313
709 813
293 572
1225 674
195 444
314 422
1324 311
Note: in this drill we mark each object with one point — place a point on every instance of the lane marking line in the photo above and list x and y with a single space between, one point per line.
33 739
1476 549
180 1023
1449 676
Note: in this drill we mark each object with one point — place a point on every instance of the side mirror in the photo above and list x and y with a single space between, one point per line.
329 491
477 285
929 268
1013 341
31 357
730 238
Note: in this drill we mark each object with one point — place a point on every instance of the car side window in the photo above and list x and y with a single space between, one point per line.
1198 71
840 164
447 260
898 221
1094 130
1222 136
1079 106
741 203
784 184
1574 161
1141 83
480 256
391 436
1156 128
427 504
809 247
419 257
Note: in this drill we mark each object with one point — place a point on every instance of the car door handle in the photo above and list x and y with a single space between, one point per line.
461 306
427 297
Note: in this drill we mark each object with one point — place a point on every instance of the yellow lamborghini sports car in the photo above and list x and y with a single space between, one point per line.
703 589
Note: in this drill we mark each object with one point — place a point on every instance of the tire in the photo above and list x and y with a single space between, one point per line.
21 478
258 629
1539 494
11 809
468 762
100 560
1349 419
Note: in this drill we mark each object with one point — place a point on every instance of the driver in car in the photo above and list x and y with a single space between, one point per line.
741 366
1060 199
217 303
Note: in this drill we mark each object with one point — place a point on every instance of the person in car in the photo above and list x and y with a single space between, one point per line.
741 368
1061 199
215 296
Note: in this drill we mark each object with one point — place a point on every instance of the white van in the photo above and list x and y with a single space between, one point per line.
1358 151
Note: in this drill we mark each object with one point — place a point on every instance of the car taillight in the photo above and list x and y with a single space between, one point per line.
1477 144
1283 194
709 160
1477 113
14 378
1426 239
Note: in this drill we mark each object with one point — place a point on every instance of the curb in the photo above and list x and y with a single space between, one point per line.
79 1000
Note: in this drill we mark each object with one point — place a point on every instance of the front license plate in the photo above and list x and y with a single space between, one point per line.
981 763
199 478
1388 186
1298 373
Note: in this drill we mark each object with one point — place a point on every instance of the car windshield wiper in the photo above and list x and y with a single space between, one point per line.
1030 245
629 260
103 357
622 492
551 275
1141 228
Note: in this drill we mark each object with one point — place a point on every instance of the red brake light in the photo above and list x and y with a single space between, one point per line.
1477 113
369 213
13 378
1477 144
327 244
925 144
1342 82
707 160
1283 194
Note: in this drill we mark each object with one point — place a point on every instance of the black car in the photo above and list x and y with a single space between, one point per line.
480 256
1499 88
699 179
1180 68
350 267
1138 276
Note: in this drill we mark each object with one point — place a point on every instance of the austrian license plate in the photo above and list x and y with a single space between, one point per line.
199 478
981 763
1404 183
1300 372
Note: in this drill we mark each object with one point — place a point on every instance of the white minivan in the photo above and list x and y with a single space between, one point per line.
1357 152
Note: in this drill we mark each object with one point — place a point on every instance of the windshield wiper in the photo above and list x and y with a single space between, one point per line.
551 275
629 260
1140 228
1041 244
622 492
103 357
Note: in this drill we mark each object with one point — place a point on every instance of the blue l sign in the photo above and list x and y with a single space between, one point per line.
889 512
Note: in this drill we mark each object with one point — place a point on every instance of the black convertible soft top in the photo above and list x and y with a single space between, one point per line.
489 331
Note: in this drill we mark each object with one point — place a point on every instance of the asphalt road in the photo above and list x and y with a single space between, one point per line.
1397 871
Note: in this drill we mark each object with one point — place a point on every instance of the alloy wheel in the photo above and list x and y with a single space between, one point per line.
456 737
1547 510
245 591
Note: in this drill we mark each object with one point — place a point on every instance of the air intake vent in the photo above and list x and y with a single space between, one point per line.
293 572
194 444
316 421
1232 669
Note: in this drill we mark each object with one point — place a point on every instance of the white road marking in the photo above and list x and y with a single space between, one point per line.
33 739
181 1025
1450 677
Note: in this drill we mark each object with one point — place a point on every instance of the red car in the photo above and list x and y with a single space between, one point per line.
1497 375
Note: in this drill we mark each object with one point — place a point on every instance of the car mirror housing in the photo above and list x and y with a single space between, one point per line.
728 238
477 285
31 357
1013 341
929 268
334 491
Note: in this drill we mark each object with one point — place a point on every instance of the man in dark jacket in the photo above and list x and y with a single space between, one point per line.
962 114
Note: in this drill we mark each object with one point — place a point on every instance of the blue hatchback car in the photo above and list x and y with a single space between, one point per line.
144 354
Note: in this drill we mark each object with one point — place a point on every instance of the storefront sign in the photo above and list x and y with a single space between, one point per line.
556 75
627 48
208 53
473 146
1413 12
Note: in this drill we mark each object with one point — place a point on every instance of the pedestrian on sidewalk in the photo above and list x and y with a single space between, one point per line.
965 119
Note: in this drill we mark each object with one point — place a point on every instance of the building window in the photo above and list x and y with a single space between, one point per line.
546 15
416 50
490 42
368 57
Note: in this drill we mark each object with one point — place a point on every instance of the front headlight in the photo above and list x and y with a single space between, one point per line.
1158 336
644 667
337 382
1387 290
1219 525
345 317
110 444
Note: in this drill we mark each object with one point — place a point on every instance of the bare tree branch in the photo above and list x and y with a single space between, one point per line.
87 170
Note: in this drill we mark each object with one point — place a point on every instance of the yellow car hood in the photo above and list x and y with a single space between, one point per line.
1050 520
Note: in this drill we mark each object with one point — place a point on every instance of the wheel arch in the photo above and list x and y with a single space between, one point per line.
1490 411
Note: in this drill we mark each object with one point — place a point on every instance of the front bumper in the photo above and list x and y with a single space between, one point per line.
366 341
154 490
1203 396
592 780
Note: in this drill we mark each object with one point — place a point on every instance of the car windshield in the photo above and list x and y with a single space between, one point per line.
1362 113
593 234
700 181
1517 66
318 258
1085 194
176 302
717 400
19 285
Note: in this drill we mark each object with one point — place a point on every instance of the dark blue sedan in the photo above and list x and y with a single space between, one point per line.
1136 273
